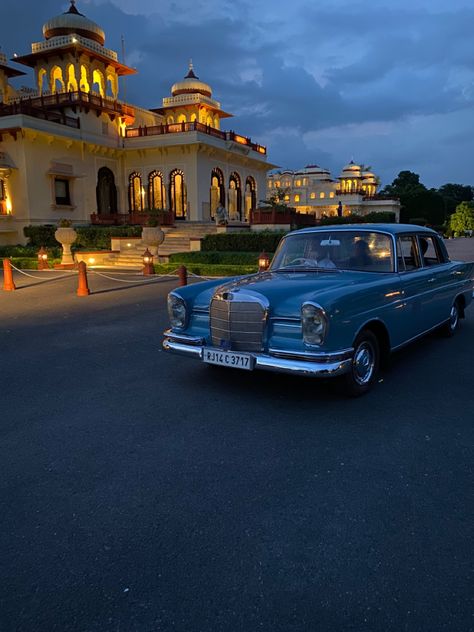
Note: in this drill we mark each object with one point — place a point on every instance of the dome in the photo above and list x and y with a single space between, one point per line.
191 85
318 172
369 177
73 22
351 170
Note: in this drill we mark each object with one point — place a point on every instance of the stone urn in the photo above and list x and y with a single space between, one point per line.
66 235
152 237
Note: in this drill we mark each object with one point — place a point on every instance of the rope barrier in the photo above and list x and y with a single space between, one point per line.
38 277
135 281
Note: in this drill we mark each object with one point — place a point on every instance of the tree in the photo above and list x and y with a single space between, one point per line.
462 219
454 194
406 183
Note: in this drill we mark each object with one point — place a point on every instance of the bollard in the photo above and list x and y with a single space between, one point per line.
82 287
183 275
8 284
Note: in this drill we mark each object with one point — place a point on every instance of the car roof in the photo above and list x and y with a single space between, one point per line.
394 229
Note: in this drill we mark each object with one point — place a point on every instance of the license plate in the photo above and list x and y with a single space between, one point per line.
229 358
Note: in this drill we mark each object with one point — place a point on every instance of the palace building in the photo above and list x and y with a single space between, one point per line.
314 191
70 148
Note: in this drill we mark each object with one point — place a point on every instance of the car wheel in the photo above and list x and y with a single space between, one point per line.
451 326
364 366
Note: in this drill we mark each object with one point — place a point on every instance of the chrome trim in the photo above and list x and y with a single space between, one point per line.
312 357
184 338
331 367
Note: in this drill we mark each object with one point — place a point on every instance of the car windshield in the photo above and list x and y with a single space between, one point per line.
339 250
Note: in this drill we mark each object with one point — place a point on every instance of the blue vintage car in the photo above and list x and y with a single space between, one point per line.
335 302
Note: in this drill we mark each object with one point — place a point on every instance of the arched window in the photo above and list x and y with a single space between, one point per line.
178 198
235 197
156 190
3 196
170 120
43 83
217 192
135 193
182 118
98 82
106 192
84 82
57 81
250 196
71 79
193 117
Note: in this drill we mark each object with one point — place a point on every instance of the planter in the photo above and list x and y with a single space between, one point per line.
152 237
66 237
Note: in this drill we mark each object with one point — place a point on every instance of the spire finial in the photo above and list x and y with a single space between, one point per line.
191 74
191 67
72 8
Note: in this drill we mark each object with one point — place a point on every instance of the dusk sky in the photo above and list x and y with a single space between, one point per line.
387 84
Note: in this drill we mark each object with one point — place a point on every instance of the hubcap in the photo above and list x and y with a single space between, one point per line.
453 318
364 363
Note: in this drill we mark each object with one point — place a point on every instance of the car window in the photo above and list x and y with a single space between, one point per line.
342 250
407 253
429 252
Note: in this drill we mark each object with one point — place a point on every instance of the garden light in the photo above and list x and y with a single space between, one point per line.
263 261
148 263
42 259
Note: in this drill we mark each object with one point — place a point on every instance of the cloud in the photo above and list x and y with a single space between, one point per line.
317 82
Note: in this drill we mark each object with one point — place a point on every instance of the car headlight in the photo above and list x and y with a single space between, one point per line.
176 311
314 324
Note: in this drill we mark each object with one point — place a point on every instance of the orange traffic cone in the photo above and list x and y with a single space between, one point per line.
8 284
82 287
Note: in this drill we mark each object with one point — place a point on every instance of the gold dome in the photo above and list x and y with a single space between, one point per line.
73 22
191 85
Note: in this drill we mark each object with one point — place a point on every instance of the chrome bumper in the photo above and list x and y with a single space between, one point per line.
311 365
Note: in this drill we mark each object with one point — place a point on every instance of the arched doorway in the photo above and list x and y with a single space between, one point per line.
156 190
217 192
178 197
235 197
135 193
106 192
250 196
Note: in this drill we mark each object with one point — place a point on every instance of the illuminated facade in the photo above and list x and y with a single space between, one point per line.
70 148
313 190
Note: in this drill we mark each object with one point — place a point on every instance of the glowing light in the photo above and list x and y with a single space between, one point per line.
129 245
91 260
8 205
241 139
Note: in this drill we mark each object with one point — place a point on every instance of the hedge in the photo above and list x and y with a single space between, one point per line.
208 269
90 237
30 263
224 258
28 251
242 242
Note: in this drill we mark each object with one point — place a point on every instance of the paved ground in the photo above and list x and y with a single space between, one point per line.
141 492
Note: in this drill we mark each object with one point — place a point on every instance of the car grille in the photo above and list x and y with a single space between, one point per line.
237 325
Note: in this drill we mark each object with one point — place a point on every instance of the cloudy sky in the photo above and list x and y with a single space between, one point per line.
388 84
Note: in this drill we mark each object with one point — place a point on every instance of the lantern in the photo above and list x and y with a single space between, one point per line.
263 261
42 259
148 263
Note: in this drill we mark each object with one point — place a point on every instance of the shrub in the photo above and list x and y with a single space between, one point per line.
28 251
244 242
98 237
42 235
28 263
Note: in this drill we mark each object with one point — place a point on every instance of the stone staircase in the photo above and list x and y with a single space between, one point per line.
177 239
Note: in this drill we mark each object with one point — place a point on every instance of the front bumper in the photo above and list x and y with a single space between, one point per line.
276 360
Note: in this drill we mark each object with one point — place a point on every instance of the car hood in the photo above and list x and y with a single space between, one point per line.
284 292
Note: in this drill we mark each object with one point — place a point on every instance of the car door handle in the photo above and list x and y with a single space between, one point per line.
432 280
456 272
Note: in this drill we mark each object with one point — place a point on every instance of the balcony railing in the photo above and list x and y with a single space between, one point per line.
26 107
137 219
180 128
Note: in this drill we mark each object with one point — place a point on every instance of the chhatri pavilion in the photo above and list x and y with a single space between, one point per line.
70 148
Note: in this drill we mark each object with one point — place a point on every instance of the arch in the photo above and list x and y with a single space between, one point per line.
84 80
209 120
193 118
135 192
216 122
71 78
106 192
250 196
111 88
235 197
57 81
217 191
181 118
170 120
98 82
177 194
156 190
43 83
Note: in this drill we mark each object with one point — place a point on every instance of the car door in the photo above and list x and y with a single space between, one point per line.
440 277
411 320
